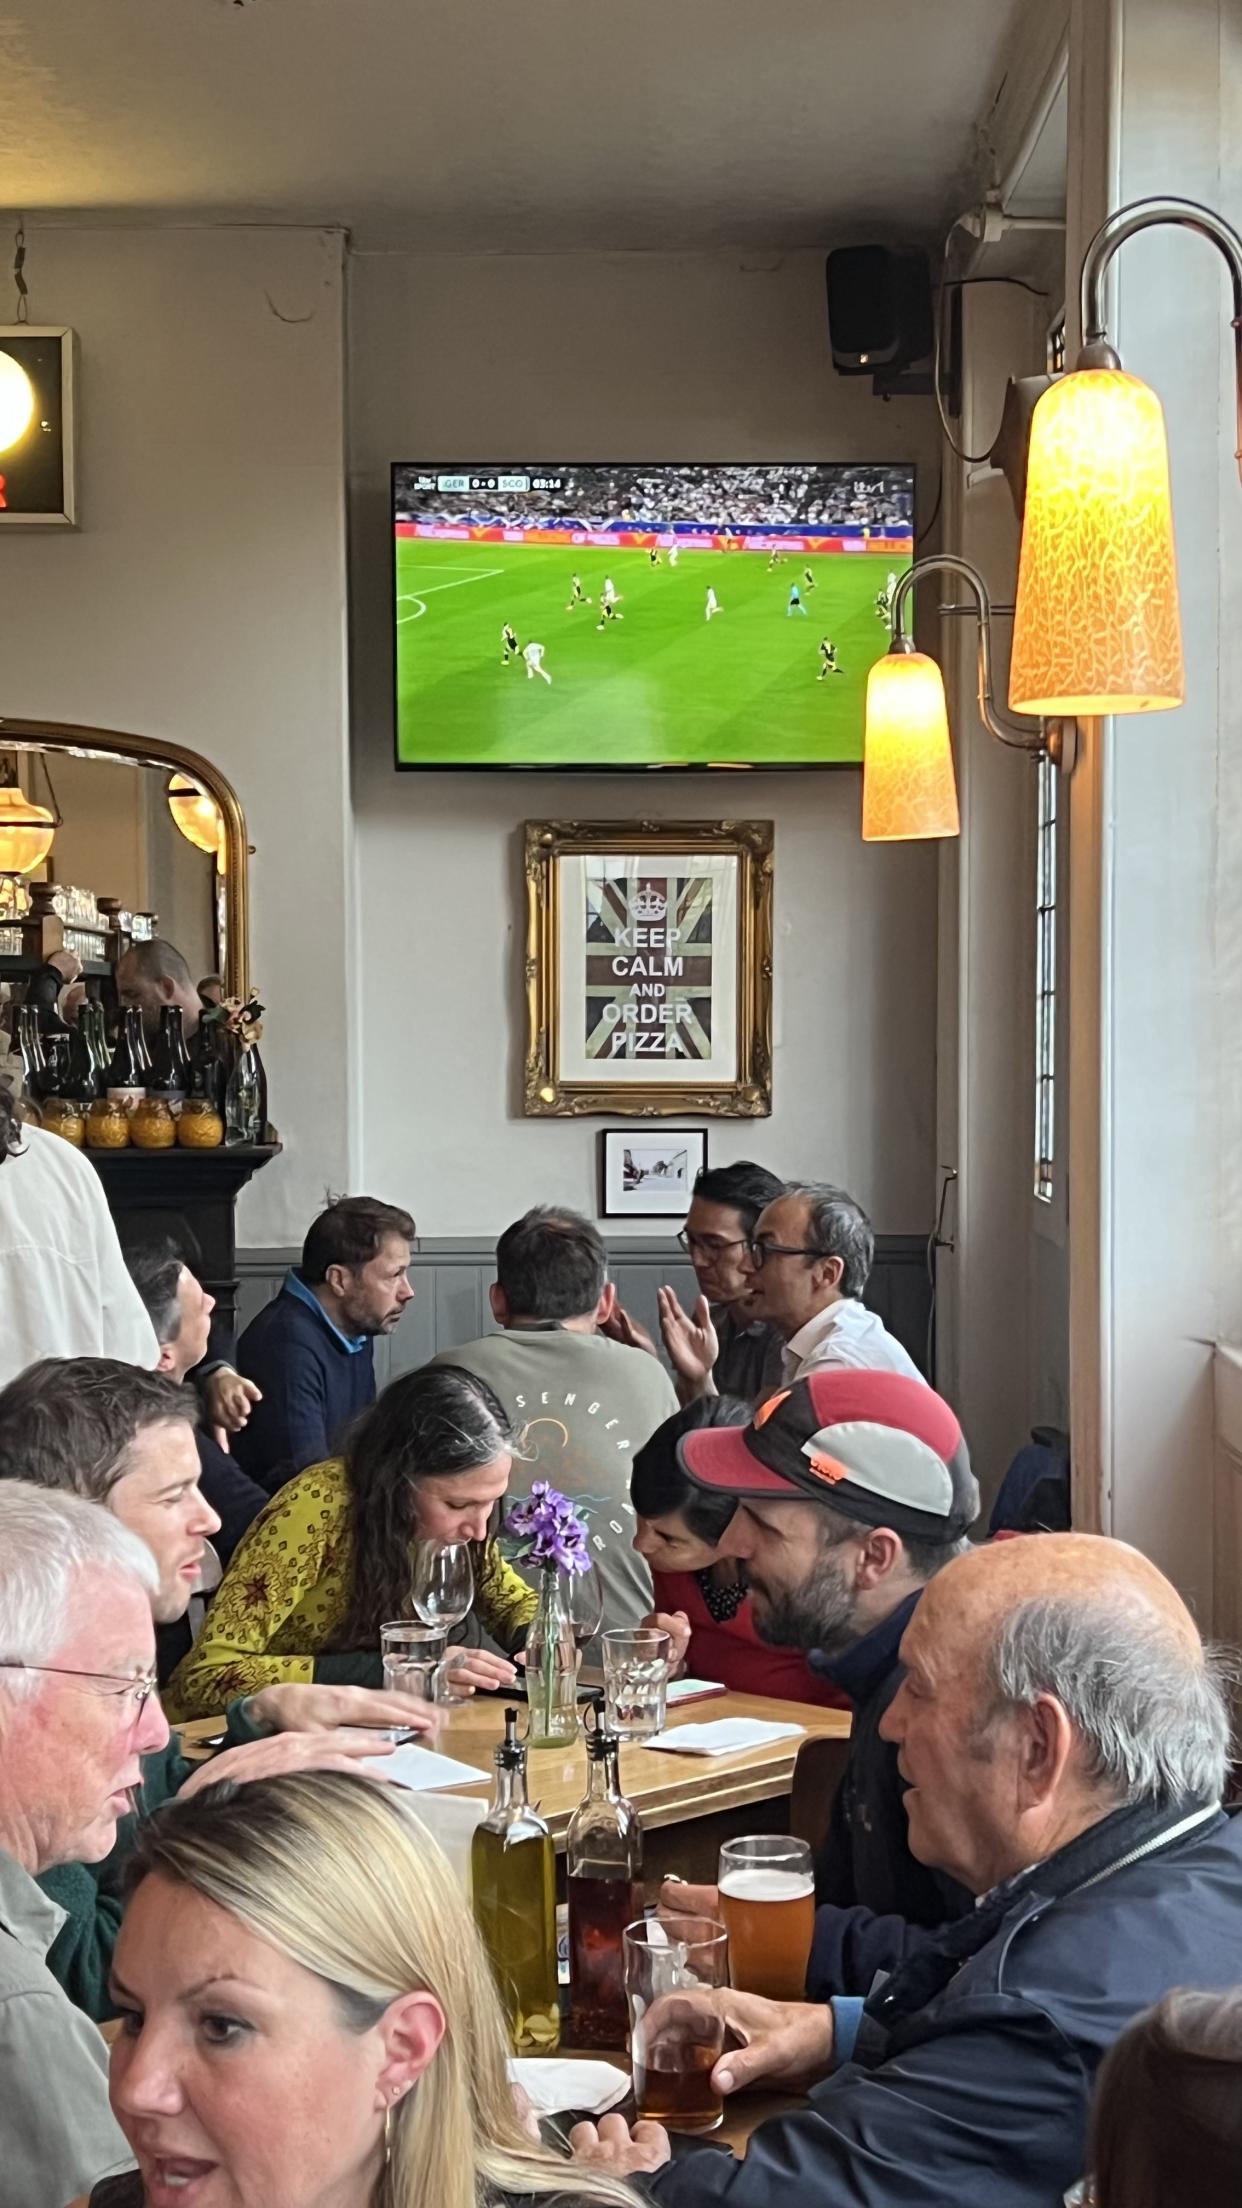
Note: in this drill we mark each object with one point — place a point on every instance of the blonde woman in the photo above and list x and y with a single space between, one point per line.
308 2020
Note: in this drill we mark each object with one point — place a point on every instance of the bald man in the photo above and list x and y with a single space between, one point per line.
1065 1740
152 975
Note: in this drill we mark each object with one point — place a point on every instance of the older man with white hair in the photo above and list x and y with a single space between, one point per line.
78 1711
1065 1740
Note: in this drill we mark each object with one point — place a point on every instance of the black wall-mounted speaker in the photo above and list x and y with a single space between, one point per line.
879 309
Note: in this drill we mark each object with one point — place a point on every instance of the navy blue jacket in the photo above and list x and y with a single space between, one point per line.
978 2096
877 1902
313 1389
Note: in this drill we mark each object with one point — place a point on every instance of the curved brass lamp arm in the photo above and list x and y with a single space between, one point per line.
147 751
1028 735
1126 222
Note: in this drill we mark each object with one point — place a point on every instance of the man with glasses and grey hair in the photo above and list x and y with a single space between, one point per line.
77 1714
810 1257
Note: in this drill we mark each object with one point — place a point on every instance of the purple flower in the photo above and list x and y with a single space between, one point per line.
544 1529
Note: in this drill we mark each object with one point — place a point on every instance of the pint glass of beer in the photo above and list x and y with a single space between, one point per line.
672 1966
767 1901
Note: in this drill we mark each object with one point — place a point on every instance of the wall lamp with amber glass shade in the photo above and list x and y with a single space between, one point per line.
1097 627
909 787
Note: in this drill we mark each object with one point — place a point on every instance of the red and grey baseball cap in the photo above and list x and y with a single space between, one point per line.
876 1446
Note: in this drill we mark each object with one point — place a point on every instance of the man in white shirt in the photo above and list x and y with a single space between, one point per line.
66 1290
812 1254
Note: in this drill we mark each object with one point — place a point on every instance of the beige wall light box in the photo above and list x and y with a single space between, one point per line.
36 427
648 968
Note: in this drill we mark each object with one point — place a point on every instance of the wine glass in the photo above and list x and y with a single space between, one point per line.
443 1583
584 1600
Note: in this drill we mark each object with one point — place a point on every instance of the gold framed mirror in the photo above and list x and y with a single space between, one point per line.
65 740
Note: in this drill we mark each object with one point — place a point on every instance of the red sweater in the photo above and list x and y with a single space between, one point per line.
733 1652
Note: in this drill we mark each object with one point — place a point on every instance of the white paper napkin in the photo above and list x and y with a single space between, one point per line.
726 1736
423 1770
551 2087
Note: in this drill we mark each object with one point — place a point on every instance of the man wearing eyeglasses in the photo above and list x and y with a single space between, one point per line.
721 1348
77 1714
811 1258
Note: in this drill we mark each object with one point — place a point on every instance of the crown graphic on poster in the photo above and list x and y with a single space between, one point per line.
648 904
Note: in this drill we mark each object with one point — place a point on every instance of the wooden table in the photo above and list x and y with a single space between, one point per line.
715 1795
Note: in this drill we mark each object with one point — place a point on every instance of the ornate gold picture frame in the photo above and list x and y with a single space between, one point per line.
648 968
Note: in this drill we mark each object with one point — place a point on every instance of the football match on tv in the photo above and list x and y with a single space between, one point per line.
642 616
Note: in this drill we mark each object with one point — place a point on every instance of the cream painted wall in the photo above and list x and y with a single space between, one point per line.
203 598
628 356
1156 950
1003 1350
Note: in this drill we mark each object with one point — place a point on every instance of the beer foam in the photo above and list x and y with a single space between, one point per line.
758 1884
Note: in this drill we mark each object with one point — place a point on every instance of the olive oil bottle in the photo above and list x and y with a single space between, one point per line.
513 1875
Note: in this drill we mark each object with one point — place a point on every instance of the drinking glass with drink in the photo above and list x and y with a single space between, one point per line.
411 1657
676 2038
767 1901
636 1669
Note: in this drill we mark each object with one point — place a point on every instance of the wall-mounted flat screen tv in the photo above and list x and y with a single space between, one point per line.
634 616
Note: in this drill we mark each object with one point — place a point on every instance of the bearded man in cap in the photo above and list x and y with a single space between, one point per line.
854 1490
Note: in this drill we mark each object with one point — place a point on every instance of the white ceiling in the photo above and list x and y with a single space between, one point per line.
468 125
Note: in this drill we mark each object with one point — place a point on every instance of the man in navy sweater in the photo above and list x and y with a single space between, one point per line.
310 1350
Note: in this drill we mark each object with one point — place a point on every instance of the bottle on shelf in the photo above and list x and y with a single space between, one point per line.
53 1060
91 1023
169 1078
30 1047
604 1868
126 1079
77 1080
513 1875
208 1070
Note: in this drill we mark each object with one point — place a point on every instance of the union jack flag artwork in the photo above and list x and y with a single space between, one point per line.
649 943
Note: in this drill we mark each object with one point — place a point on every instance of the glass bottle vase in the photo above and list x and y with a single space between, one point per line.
551 1669
245 1101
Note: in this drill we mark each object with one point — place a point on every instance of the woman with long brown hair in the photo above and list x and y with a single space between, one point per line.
307 2016
332 1557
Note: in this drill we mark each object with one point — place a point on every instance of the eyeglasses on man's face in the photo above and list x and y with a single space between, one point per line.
712 1245
134 1691
760 1252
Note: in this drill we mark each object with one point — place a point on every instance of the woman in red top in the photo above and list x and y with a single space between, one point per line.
700 1596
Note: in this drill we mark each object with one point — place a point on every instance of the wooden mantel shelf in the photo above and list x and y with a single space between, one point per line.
150 1179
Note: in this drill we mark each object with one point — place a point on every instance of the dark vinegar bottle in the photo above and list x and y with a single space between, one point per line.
604 1866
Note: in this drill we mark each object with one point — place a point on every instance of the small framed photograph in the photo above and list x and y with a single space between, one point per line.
649 1174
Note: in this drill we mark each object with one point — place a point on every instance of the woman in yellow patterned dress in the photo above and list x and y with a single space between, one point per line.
332 1556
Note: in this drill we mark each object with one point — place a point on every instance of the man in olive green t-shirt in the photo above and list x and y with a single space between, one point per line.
580 1403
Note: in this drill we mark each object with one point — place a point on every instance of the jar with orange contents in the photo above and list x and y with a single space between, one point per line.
152 1126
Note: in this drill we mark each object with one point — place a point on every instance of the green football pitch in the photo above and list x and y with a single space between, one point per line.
663 685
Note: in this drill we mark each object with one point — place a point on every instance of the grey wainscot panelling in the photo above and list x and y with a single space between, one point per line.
451 1279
